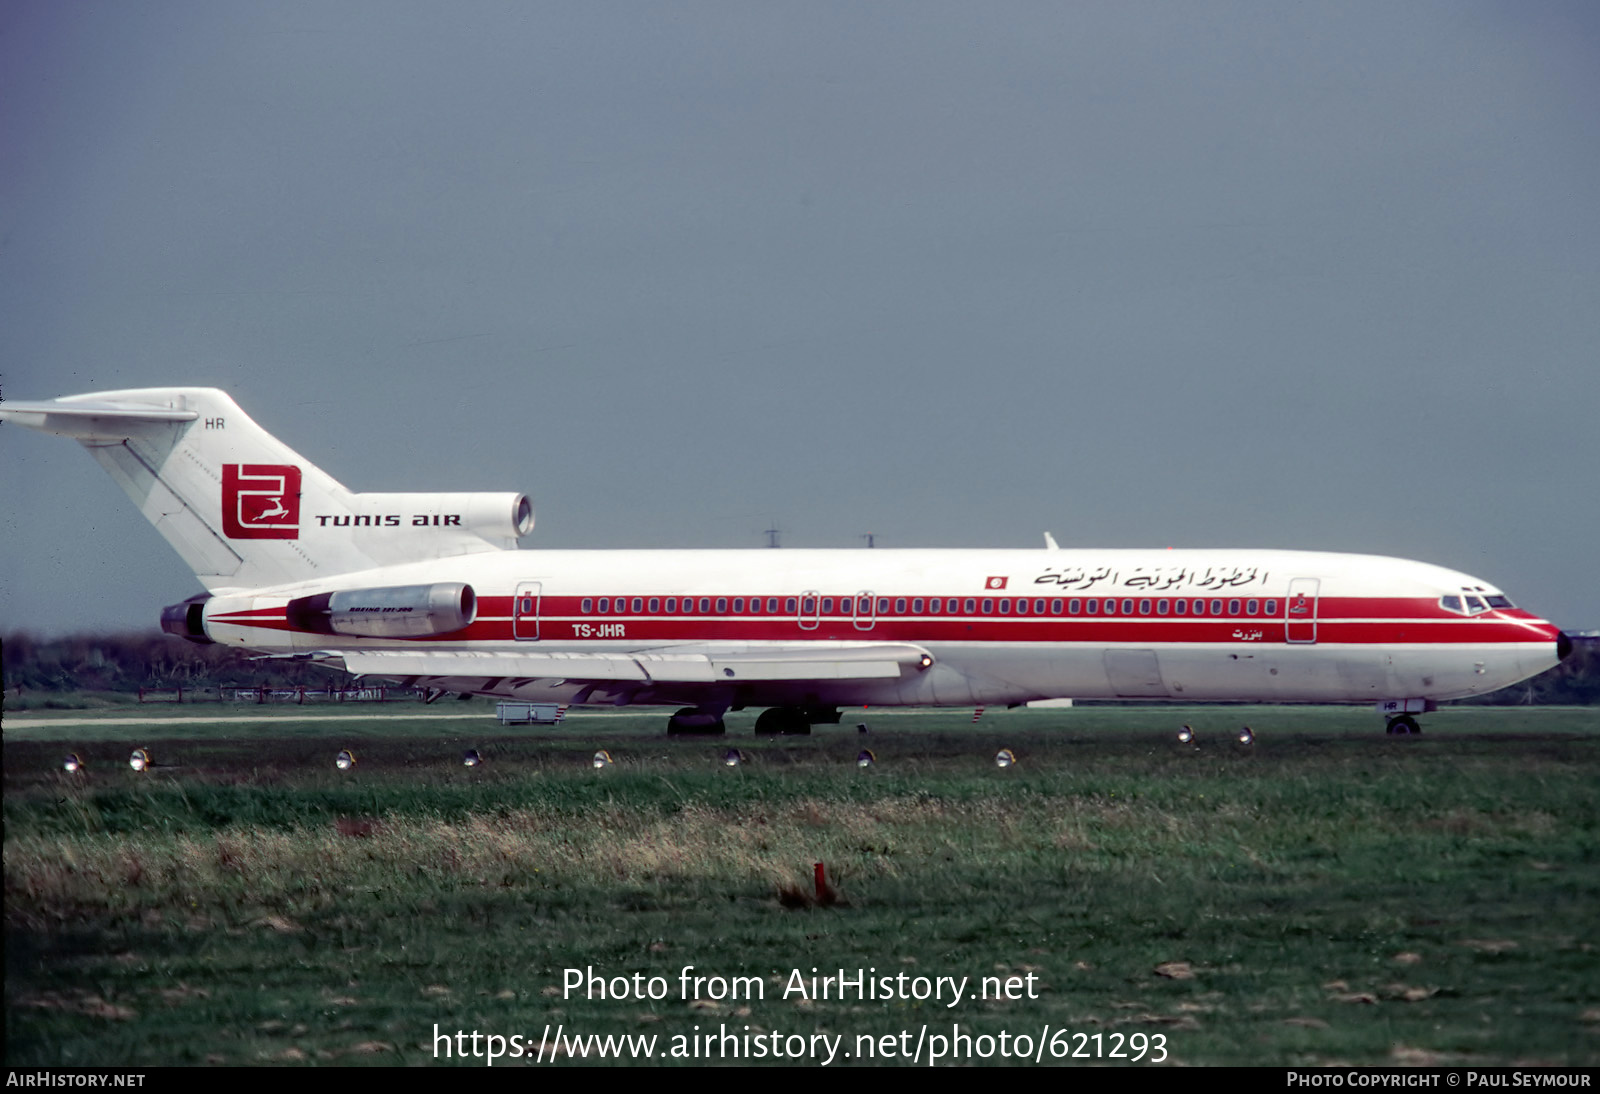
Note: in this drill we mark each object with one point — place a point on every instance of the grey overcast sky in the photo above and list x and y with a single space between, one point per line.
1316 275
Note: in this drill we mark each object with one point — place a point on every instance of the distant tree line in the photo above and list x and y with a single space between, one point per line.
128 662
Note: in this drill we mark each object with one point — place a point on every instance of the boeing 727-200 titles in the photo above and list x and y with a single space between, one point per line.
431 588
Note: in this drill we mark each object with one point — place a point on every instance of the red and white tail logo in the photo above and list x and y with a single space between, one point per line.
260 501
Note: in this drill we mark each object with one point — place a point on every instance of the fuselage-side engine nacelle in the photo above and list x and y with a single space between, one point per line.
398 611
394 611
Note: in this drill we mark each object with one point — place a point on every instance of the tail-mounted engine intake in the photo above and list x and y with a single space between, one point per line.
399 611
496 519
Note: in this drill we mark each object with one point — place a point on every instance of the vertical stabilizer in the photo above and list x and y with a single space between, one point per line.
246 511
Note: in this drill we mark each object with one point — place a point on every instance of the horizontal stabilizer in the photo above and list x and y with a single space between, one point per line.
91 421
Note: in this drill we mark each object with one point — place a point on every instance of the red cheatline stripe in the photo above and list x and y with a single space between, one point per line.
1086 631
1326 608
252 613
1349 620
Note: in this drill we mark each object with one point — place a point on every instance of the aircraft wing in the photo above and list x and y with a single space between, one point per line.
678 665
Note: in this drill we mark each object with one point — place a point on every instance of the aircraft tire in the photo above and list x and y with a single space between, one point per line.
1403 726
690 722
782 721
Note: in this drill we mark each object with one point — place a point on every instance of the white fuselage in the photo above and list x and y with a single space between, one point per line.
1000 626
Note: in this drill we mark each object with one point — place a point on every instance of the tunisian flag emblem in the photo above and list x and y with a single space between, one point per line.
995 583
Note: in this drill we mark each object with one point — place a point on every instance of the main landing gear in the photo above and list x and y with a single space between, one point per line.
1403 725
772 722
695 722
783 721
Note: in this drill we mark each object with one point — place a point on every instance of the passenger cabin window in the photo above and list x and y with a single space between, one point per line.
672 604
916 606
1127 607
1005 605
1272 607
705 605
605 603
790 604
845 603
588 605
1111 606
1144 607
1233 607
970 605
1162 606
1074 607
1092 606
900 605
1180 607
638 605
655 604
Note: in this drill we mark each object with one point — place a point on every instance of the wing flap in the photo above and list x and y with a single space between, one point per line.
820 662
570 666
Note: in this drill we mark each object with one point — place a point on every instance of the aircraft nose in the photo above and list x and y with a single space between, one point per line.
1563 646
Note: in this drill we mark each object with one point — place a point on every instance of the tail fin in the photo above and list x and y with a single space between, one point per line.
246 511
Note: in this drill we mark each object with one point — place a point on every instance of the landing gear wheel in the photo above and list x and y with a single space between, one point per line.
783 721
1403 726
692 722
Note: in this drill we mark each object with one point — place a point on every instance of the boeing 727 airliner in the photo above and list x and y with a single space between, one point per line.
431 588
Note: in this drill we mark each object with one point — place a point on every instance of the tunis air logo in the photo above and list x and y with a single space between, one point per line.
260 501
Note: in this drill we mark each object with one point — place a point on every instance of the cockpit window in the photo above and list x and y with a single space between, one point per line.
1469 604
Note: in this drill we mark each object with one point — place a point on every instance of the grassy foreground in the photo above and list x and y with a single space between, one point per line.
1328 895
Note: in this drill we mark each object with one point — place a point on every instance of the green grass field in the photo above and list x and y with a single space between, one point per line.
1328 895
